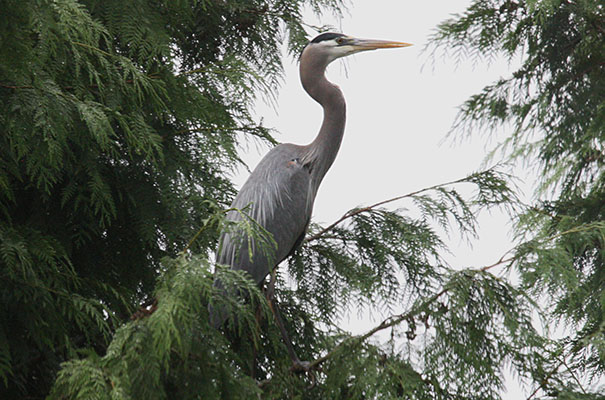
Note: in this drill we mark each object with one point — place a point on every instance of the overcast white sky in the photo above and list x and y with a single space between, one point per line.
398 113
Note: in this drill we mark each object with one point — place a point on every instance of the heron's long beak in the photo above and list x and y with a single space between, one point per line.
373 44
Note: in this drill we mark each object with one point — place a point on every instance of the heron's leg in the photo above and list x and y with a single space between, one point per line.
298 365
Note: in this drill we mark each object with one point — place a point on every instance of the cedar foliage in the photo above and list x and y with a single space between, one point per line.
555 102
373 256
120 124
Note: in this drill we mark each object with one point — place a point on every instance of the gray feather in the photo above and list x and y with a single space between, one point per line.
280 192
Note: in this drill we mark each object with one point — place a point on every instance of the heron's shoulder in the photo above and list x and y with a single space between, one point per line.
277 181
284 151
277 158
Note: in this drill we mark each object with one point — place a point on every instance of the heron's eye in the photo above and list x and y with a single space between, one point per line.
340 40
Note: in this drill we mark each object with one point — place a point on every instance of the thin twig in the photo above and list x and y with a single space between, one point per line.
502 260
574 349
244 128
357 211
573 376
93 48
207 224
545 380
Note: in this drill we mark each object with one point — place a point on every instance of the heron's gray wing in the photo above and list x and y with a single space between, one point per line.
280 198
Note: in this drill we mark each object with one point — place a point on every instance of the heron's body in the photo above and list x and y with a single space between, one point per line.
281 190
279 195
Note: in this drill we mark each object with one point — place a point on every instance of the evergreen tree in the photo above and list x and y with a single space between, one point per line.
555 102
120 123
118 139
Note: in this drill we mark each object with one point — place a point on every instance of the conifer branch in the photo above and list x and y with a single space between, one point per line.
357 211
574 376
501 261
580 344
544 381
91 86
248 128
397 319
385 324
93 48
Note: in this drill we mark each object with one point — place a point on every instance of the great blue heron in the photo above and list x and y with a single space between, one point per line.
281 190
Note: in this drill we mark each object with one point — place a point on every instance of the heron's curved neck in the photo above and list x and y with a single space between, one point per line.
322 151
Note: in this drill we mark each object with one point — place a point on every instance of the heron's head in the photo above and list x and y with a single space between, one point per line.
329 46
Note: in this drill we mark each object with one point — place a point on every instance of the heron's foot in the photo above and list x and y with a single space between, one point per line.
300 366
305 367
